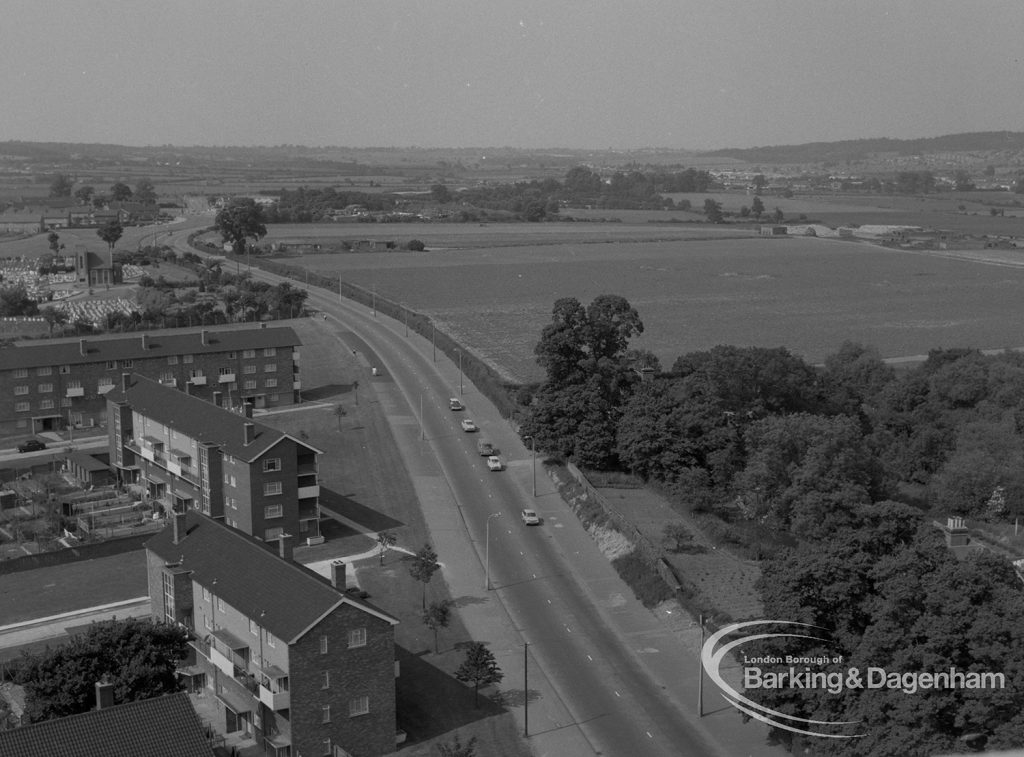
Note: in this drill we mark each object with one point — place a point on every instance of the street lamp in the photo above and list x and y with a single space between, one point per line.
487 551
533 449
460 371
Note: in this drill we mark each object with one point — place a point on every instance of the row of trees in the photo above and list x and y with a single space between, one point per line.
64 186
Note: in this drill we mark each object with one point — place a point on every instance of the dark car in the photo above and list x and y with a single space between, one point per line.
32 445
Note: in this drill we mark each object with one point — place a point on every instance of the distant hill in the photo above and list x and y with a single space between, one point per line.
865 149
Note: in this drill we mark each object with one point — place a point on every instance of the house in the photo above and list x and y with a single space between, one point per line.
165 726
191 454
21 221
290 658
97 270
773 231
57 382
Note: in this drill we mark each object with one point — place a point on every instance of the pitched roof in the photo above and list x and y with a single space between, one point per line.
286 598
69 351
199 419
164 726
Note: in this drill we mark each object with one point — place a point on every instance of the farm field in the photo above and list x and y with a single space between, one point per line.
806 294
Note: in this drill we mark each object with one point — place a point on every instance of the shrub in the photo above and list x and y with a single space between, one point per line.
415 245
643 579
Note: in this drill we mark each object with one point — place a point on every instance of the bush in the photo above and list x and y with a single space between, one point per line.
642 578
415 245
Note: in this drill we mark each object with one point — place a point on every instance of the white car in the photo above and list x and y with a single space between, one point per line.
530 518
454 403
494 463
468 425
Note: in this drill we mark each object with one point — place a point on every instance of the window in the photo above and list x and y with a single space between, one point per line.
44 371
250 384
357 638
270 383
232 356
271 488
172 360
323 645
272 534
21 390
206 594
111 365
325 748
227 480
45 388
186 359
271 642
273 398
325 680
46 405
21 373
224 371
271 464
65 369
249 369
21 407
254 629
127 363
273 511
358 706
220 604
65 402
269 351
325 714
270 368
74 384
197 373
207 624
169 376
233 481
248 353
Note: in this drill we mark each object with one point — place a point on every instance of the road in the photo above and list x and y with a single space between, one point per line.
536 571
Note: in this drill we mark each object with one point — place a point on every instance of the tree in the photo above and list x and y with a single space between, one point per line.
438 616
757 207
962 181
14 300
145 191
110 232
120 192
713 210
139 657
439 193
479 668
54 239
385 541
242 219
61 185
415 245
423 566
53 317
84 194
339 413
778 215
455 747
759 183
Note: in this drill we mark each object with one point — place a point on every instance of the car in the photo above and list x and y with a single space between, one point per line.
32 445
455 403
485 448
468 426
530 517
494 463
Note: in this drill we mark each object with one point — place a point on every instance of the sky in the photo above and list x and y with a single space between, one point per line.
686 74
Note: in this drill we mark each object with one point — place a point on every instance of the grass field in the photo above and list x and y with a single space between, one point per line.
806 294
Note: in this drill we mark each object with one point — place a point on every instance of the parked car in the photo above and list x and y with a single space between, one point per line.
32 445
494 463
455 404
530 518
469 426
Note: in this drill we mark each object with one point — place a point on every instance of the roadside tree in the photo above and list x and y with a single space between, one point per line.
438 616
479 668
145 191
422 567
757 207
110 232
713 210
239 221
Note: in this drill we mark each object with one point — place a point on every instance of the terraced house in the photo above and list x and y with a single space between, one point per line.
49 385
192 454
291 659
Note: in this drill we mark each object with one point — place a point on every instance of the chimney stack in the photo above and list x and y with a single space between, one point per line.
247 409
178 523
263 324
145 341
81 347
126 379
284 547
250 433
104 694
216 398
338 575
202 336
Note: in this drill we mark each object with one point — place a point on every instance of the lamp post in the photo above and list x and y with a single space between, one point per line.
487 551
533 450
460 372
433 344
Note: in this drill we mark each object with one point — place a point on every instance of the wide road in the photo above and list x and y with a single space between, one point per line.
613 699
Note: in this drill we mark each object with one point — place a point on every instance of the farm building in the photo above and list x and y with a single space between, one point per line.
773 231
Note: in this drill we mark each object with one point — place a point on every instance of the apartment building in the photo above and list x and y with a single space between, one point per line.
49 385
192 454
291 659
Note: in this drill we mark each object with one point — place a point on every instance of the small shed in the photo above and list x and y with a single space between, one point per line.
774 231
90 469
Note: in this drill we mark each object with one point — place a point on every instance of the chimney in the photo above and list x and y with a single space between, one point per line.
104 694
145 341
284 547
247 409
126 379
81 347
179 527
202 336
250 433
263 324
338 579
216 398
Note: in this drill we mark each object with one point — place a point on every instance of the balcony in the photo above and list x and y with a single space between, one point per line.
296 384
226 378
198 380
308 492
104 388
75 391
275 700
169 382
222 662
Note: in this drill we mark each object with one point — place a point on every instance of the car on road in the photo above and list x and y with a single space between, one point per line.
468 426
485 448
530 517
494 463
455 404
32 445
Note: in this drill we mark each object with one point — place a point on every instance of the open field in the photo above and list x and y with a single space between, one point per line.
806 294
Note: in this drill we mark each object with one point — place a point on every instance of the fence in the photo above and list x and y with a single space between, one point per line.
74 554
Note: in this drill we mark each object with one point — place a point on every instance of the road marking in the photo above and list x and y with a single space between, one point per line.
568 629
618 694
649 734
590 658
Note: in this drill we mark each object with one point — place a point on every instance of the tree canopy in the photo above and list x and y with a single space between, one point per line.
110 232
239 221
120 192
61 185
479 668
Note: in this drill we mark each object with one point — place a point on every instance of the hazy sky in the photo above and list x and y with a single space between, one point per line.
482 73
